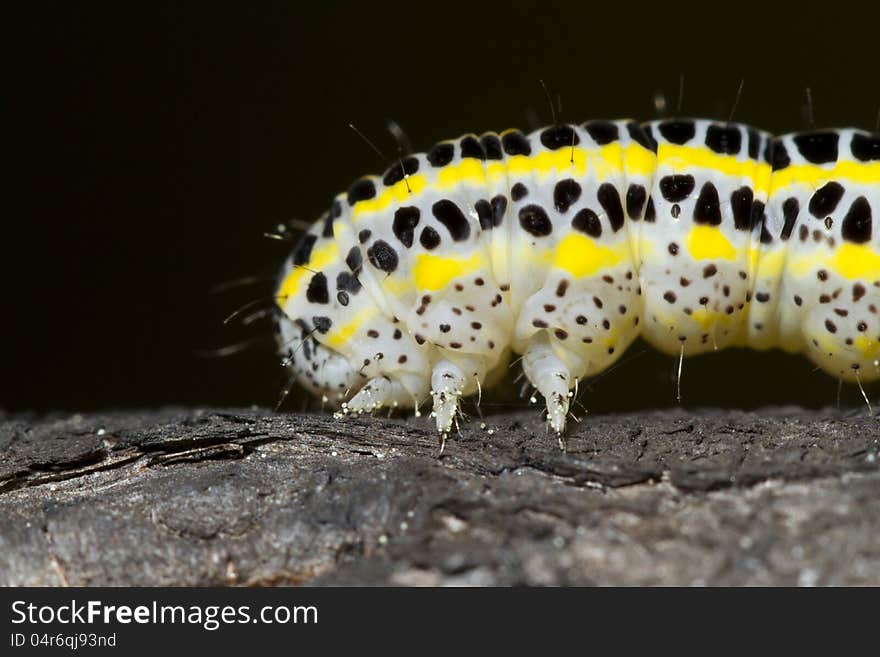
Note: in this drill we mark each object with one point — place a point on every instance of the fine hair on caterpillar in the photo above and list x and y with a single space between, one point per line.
558 248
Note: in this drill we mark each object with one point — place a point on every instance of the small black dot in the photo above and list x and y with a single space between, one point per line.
865 147
499 208
676 188
856 225
565 194
635 201
790 210
484 213
587 221
673 248
451 216
778 154
470 147
754 143
741 204
559 136
383 256
492 147
361 190
707 209
364 235
354 259
441 154
677 132
610 201
303 251
406 218
650 212
641 136
669 295
825 199
726 140
515 143
395 172
317 290
347 282
322 324
602 132
534 220
818 147
709 270
518 191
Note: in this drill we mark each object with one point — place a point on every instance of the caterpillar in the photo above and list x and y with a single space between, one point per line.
563 245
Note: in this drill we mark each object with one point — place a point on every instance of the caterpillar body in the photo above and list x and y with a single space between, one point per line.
564 245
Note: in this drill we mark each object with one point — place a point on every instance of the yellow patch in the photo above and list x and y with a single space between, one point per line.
495 171
870 349
343 334
468 170
580 256
320 258
856 261
432 272
814 176
639 160
709 243
770 264
679 158
398 192
706 318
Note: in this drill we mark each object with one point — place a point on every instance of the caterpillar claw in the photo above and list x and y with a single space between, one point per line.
551 377
373 396
447 385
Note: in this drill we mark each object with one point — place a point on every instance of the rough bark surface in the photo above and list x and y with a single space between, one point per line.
211 497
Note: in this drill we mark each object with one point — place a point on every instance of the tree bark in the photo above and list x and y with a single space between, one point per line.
246 497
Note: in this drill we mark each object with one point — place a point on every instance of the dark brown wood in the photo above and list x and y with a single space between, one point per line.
247 497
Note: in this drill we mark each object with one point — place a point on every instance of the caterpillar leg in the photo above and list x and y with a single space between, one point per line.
388 392
447 386
373 396
552 378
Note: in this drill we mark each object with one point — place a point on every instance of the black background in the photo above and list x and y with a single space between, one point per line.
153 145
